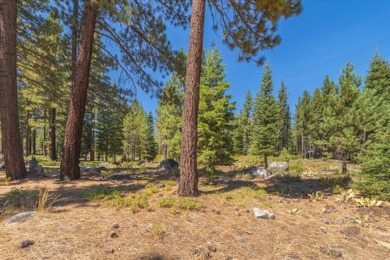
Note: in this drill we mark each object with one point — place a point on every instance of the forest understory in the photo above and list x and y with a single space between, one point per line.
135 213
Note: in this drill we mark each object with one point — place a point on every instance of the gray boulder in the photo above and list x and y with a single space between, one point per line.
278 167
260 172
21 218
168 164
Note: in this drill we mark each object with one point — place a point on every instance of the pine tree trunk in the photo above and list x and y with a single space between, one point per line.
28 135
34 142
302 146
74 124
265 161
11 141
92 152
44 146
188 185
75 29
53 148
344 163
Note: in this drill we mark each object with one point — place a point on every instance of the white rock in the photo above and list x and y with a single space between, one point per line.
265 214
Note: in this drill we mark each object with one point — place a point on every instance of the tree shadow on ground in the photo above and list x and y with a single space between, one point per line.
284 185
24 193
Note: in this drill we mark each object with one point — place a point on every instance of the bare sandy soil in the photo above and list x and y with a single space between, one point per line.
220 225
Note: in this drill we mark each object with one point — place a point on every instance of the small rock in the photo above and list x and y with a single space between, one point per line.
331 252
260 171
113 234
329 209
237 209
206 255
216 211
295 211
26 243
115 225
212 231
21 218
323 230
198 250
160 185
238 213
265 214
229 257
211 247
248 211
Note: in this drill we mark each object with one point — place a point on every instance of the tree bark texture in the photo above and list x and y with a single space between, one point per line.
74 124
11 141
188 185
53 146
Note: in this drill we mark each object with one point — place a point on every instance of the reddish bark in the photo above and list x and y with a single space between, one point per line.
11 142
188 185
74 124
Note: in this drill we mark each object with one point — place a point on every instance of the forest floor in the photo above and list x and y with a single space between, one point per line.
314 217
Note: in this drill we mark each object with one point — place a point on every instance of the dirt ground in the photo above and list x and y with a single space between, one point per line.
221 225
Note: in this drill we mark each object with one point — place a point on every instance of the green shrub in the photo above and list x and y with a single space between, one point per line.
295 169
167 202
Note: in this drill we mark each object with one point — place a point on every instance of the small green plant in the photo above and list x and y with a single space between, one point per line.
295 169
150 189
346 196
368 203
159 230
142 168
316 196
101 193
284 155
46 200
175 210
267 204
188 204
168 183
362 219
337 189
167 202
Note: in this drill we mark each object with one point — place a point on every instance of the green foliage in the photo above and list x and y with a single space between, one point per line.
295 169
265 127
367 202
138 133
346 196
243 127
215 119
169 118
283 120
335 180
167 202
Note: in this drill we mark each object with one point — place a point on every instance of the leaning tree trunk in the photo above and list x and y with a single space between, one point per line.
265 161
11 142
188 185
74 124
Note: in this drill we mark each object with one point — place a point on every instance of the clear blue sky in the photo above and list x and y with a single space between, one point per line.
319 42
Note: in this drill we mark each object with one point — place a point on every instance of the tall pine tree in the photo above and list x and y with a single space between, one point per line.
265 126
